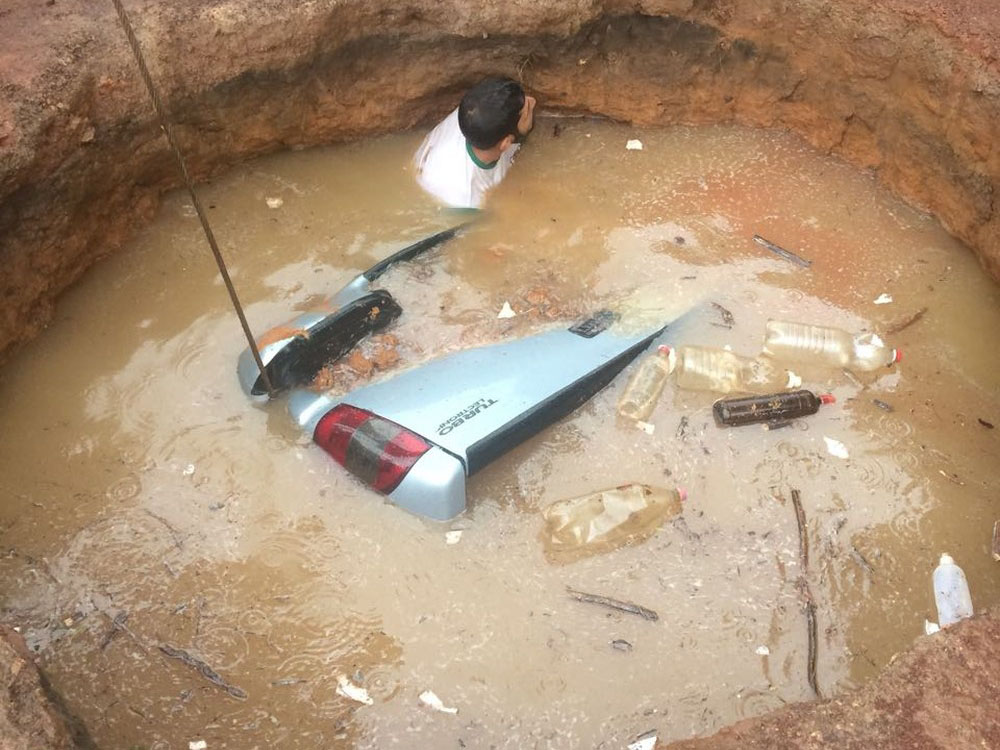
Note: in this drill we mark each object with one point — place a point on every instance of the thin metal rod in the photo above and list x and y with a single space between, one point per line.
165 125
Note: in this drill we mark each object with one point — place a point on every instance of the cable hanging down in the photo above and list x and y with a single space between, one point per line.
165 125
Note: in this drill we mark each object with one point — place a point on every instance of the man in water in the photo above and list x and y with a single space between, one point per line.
470 151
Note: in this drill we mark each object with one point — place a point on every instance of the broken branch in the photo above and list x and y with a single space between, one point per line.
606 601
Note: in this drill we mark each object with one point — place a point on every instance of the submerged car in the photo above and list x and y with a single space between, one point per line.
294 352
416 437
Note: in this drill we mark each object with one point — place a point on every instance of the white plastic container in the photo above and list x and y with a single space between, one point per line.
800 342
701 368
951 592
644 387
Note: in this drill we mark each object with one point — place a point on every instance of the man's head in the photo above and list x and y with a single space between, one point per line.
494 113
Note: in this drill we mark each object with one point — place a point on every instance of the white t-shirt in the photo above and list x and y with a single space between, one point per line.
445 168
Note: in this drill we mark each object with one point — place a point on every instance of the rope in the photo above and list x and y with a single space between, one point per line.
165 125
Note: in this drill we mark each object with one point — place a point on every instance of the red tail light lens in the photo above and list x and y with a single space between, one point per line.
375 450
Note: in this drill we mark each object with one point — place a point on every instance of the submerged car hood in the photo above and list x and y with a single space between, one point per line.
465 399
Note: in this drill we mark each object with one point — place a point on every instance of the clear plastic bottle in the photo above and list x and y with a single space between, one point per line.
951 592
606 519
644 387
801 342
700 368
775 407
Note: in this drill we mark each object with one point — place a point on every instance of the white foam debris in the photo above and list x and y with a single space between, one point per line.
633 144
188 470
506 311
348 689
197 745
452 537
835 447
883 299
645 741
428 698
274 202
763 651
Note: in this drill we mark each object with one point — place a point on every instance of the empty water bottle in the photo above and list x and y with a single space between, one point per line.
800 342
644 387
701 368
607 519
951 592
775 407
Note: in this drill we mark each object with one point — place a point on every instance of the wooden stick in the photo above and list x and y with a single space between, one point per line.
203 669
606 601
906 322
812 628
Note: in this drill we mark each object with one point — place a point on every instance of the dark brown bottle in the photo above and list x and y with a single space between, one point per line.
735 412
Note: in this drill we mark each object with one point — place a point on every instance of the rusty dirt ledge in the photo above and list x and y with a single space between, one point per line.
909 88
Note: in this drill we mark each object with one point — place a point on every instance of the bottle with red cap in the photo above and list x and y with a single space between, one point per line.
776 407
801 342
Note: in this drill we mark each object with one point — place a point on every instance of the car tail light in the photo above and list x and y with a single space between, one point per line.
375 450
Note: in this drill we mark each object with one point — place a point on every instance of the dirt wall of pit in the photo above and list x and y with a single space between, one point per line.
907 88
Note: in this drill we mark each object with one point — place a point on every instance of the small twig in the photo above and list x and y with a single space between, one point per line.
813 640
996 541
800 518
781 252
203 669
860 560
906 322
178 540
606 601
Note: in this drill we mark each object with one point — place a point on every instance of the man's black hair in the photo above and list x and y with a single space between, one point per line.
490 111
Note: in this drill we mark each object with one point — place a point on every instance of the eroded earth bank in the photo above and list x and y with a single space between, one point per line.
908 89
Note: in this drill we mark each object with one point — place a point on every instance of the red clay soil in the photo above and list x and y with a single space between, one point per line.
29 719
942 693
907 88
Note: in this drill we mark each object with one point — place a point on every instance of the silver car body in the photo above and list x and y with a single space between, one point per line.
474 405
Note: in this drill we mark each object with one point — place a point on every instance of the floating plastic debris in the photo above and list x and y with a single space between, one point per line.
836 448
274 202
452 537
506 311
646 427
197 745
763 651
348 689
645 741
634 144
188 470
883 299
428 698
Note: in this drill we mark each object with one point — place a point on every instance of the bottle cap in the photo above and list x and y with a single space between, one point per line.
897 354
946 559
683 493
827 398
794 381
670 353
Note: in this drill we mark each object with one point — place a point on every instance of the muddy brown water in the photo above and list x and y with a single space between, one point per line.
139 483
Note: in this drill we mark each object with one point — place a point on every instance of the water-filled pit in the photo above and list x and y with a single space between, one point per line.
144 483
